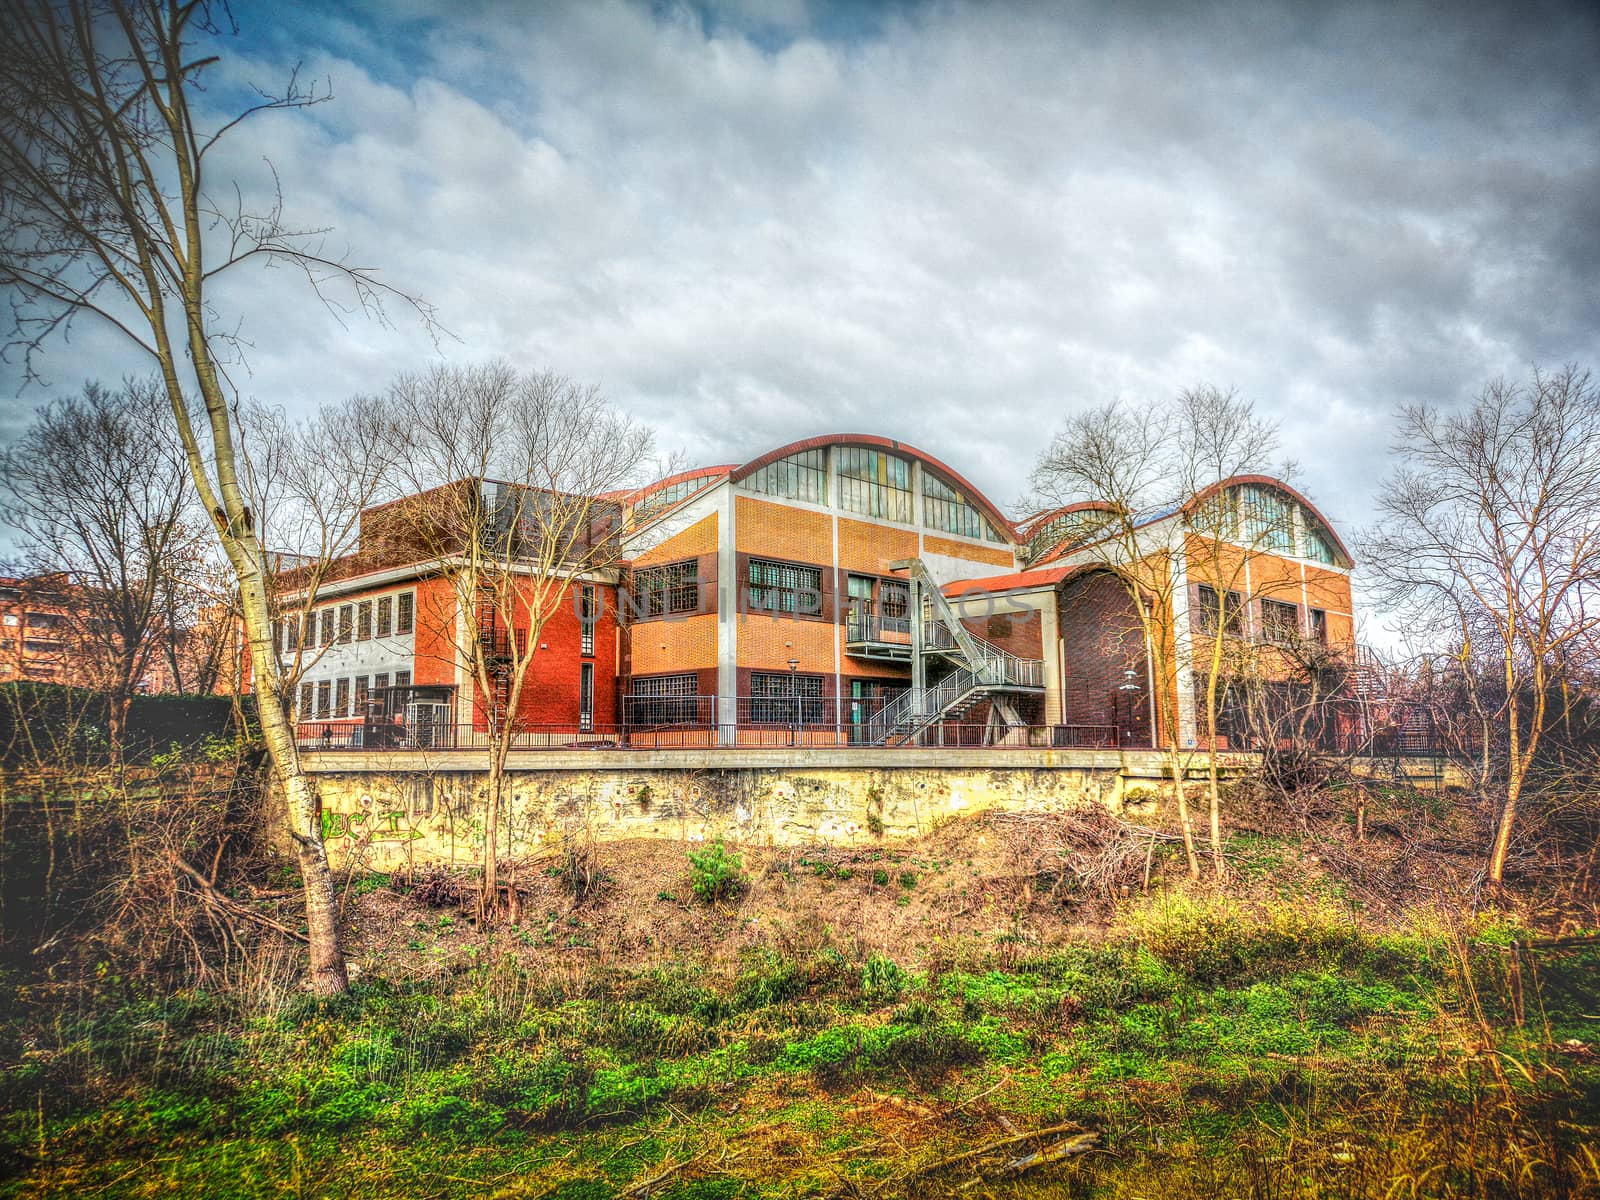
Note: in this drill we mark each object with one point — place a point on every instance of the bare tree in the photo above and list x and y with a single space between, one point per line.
1152 475
515 478
98 488
1490 533
108 211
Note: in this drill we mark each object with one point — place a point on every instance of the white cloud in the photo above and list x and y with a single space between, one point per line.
955 228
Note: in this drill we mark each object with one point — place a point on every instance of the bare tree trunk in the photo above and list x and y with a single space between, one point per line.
302 805
1175 765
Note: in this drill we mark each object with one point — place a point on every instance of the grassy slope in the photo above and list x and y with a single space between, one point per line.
851 1021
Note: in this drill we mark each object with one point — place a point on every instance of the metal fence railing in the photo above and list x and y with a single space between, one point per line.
711 735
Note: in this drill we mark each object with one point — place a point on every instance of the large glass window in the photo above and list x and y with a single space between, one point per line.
666 497
669 588
802 476
663 700
945 508
874 483
785 699
784 587
1266 519
1318 547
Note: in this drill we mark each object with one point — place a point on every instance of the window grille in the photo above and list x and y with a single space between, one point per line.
664 700
802 476
380 681
402 679
405 613
364 621
587 616
894 597
874 483
1211 612
385 615
670 588
785 699
784 587
1280 622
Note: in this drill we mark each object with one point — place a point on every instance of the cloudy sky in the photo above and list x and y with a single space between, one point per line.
949 223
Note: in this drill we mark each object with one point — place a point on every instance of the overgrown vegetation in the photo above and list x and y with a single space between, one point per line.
1278 1038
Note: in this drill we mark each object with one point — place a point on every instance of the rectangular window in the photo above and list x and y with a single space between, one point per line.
380 681
364 621
1319 625
324 699
663 700
311 631
586 697
385 615
405 613
874 483
802 476
1280 622
859 614
306 709
327 627
784 588
362 696
894 602
1211 615
669 588
341 698
785 699
588 614
347 622
402 679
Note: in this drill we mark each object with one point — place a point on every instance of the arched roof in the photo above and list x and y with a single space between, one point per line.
1277 485
1001 522
1031 524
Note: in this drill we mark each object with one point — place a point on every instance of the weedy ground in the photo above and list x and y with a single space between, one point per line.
872 1023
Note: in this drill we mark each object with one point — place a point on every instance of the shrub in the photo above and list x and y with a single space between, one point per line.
882 980
718 875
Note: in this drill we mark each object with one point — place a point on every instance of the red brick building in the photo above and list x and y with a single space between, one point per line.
843 590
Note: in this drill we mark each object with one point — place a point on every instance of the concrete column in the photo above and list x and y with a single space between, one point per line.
728 592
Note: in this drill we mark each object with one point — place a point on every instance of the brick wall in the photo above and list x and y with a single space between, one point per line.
994 556
1101 638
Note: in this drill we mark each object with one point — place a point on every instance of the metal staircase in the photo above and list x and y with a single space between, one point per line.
978 670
